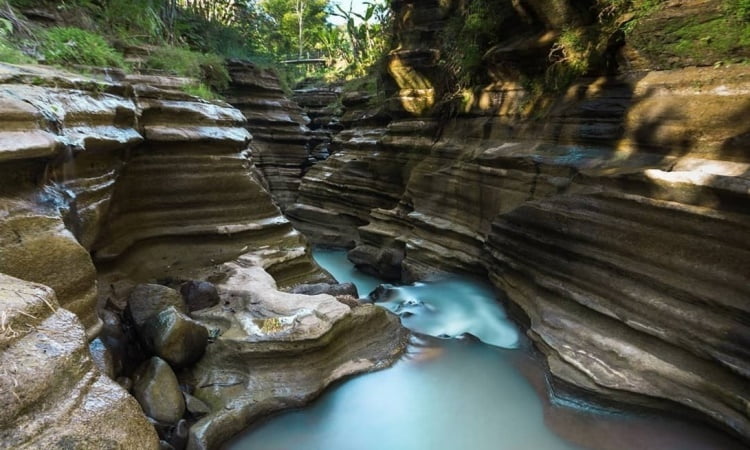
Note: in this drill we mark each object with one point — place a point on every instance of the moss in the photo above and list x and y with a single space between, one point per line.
694 41
70 45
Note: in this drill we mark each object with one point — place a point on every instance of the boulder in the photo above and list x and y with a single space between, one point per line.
199 295
348 300
195 406
157 390
280 350
148 300
175 337
114 339
382 293
178 438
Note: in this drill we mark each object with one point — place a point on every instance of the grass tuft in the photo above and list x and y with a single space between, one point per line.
70 45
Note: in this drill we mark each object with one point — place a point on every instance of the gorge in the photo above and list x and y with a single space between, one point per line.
148 235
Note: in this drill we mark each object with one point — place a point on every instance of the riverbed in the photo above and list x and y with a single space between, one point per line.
468 381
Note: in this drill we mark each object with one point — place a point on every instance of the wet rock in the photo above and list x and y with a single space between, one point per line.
102 357
321 152
326 288
196 407
156 388
114 338
148 300
164 445
36 246
382 293
199 295
162 428
384 263
175 337
321 338
52 394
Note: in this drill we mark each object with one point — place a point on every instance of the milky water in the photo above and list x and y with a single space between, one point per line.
463 393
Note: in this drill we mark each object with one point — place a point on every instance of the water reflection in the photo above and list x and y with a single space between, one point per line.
460 394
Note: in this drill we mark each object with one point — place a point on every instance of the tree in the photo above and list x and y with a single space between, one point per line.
296 23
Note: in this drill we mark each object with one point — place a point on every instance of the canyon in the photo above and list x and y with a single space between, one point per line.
612 218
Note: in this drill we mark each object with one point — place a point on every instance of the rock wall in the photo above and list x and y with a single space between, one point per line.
107 184
612 216
281 138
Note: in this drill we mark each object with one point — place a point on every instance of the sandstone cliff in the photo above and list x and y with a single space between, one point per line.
280 134
612 215
108 184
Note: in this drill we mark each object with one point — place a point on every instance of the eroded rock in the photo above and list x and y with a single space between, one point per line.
52 394
279 350
148 300
196 407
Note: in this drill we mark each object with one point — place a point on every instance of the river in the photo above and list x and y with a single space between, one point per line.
468 381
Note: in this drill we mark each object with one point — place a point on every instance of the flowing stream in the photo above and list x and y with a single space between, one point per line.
468 381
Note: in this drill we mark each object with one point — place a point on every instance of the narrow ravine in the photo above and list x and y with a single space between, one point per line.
481 390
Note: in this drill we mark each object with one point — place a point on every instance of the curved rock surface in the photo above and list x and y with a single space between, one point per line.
157 185
279 350
53 395
613 216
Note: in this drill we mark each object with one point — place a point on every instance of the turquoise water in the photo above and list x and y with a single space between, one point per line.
335 262
458 393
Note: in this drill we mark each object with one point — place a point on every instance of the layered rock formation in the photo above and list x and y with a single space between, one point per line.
279 127
613 216
157 186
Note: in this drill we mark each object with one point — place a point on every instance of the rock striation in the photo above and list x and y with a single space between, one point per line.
281 137
107 185
612 216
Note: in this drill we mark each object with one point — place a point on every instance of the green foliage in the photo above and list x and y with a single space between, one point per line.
282 36
265 31
469 33
697 42
207 67
723 36
69 45
134 20
8 52
361 42
202 91
739 10
571 57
